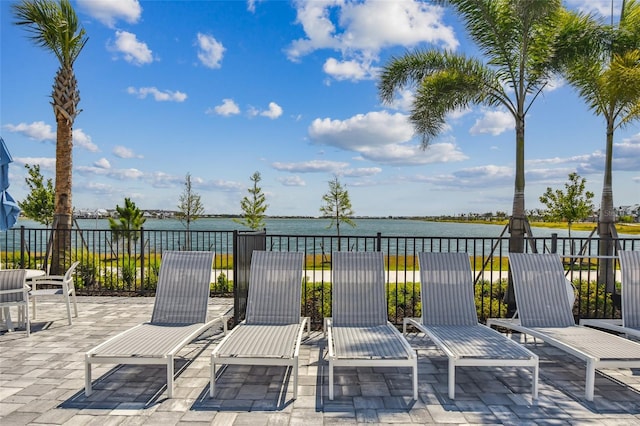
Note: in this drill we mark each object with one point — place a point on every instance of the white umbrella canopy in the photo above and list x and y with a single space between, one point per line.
9 209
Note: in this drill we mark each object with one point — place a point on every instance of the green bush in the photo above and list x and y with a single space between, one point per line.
222 285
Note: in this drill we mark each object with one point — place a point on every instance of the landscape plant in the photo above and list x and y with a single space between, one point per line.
190 208
337 206
572 205
254 206
127 225
39 203
55 27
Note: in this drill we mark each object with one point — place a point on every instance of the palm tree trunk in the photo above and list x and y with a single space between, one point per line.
606 220
63 205
518 218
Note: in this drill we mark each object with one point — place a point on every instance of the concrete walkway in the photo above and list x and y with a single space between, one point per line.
42 380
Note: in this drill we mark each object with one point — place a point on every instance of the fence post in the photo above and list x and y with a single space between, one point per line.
244 243
142 286
22 245
554 243
379 241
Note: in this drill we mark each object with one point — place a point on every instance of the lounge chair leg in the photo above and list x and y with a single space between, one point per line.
590 381
330 380
212 386
295 378
535 381
66 297
75 304
170 378
415 380
452 379
87 377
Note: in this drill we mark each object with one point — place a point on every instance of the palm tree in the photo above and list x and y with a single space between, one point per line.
55 27
128 224
606 74
515 38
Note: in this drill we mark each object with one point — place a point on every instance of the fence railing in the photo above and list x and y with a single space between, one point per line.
113 265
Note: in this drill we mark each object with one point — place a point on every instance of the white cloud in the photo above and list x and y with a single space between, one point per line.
227 108
251 5
292 181
37 130
626 157
494 122
81 139
102 163
158 95
134 51
119 174
313 166
42 132
347 70
273 112
381 137
110 11
361 172
602 7
210 51
403 100
359 30
122 152
371 129
45 163
474 177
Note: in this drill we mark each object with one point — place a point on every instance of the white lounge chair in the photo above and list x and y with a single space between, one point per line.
629 324
450 320
14 292
271 332
55 285
359 332
179 316
545 314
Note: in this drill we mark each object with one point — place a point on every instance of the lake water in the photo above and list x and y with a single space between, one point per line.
315 226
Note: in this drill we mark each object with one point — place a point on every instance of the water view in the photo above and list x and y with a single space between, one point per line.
315 226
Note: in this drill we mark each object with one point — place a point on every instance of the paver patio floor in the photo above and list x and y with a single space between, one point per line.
42 382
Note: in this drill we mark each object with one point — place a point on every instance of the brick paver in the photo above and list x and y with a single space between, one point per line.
42 382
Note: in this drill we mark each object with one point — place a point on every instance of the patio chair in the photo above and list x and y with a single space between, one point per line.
179 316
271 332
55 285
545 314
359 332
629 324
450 320
14 292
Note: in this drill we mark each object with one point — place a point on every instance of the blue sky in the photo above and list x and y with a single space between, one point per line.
222 89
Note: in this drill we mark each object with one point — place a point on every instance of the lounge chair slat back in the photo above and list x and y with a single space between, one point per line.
185 303
357 276
12 279
630 268
541 294
275 288
447 289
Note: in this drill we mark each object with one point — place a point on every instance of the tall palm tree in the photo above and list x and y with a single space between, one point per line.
515 38
606 73
55 27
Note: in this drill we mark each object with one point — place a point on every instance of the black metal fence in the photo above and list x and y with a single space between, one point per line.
130 265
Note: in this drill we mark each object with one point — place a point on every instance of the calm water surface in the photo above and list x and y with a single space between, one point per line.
311 226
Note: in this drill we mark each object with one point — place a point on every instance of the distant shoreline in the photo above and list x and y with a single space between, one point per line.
622 228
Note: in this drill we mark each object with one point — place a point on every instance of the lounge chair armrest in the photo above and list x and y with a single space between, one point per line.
326 324
410 321
15 290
